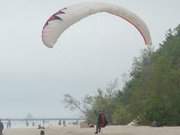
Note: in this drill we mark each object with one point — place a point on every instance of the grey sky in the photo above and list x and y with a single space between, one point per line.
88 56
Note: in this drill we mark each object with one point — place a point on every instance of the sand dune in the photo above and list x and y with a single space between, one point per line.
110 130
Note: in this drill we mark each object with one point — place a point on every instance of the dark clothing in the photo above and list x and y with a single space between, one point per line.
101 122
42 132
1 128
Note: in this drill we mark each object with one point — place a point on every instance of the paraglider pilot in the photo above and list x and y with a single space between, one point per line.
101 122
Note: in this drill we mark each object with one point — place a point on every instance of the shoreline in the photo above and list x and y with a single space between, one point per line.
109 130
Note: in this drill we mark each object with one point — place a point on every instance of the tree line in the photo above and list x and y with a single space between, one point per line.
152 92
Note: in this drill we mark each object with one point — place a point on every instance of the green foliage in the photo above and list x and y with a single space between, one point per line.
151 94
120 115
155 83
103 101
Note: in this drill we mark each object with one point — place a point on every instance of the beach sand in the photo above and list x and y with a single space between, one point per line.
110 130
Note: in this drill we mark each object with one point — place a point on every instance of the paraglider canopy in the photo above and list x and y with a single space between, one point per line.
66 17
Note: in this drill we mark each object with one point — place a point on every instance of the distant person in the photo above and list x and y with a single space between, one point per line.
59 122
64 123
27 124
101 122
43 123
41 127
33 123
1 127
42 132
9 124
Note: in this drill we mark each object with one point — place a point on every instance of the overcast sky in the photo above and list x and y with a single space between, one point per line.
88 55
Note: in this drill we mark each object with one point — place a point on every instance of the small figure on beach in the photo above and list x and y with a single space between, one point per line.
1 127
41 127
9 124
33 123
101 122
64 123
59 122
27 124
42 132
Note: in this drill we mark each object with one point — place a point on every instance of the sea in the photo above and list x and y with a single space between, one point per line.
38 124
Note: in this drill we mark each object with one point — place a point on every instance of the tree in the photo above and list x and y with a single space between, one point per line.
73 103
152 92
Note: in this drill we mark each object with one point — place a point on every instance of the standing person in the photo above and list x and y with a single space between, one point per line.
59 123
64 123
9 124
1 128
27 123
101 122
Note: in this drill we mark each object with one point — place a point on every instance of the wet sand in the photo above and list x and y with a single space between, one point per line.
110 130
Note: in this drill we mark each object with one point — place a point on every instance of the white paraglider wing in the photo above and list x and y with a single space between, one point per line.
64 18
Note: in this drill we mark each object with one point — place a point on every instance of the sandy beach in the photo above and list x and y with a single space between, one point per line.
110 130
